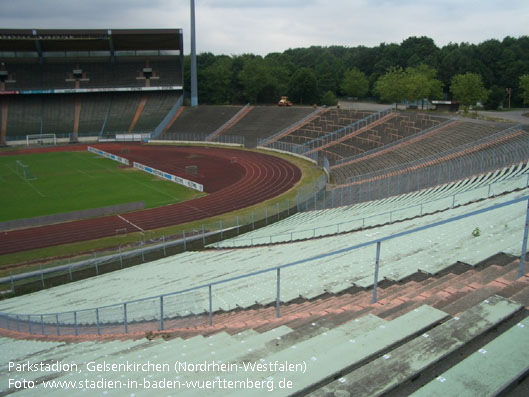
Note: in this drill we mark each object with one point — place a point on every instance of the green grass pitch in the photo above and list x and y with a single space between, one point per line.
73 181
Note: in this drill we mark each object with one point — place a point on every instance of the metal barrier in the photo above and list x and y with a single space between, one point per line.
326 139
363 222
153 313
289 148
292 127
438 157
215 134
196 137
393 144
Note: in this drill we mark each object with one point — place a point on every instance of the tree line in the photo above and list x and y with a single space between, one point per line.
412 70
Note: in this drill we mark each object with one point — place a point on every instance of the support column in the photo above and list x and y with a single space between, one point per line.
194 91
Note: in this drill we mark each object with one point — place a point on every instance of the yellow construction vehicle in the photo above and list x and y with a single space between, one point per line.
284 101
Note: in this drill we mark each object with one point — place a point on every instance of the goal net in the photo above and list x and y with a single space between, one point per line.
24 171
41 139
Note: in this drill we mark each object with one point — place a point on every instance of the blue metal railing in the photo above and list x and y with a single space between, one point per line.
28 322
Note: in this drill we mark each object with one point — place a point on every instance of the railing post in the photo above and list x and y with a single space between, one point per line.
278 314
97 320
75 323
210 306
237 219
125 322
185 242
121 257
70 269
288 207
29 323
266 215
524 242
12 282
161 313
297 196
220 226
41 324
374 300
277 210
253 223
163 242
58 325
203 236
42 277
142 255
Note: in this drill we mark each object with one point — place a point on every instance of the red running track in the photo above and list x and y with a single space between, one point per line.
235 178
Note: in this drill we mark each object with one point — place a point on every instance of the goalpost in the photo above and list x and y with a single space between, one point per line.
41 139
24 171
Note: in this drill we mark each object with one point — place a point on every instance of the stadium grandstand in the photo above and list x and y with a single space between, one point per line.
75 83
401 270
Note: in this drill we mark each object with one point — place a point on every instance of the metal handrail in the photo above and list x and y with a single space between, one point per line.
349 129
291 264
337 225
223 126
392 144
271 139
433 157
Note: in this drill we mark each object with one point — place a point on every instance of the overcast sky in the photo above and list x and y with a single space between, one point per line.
260 27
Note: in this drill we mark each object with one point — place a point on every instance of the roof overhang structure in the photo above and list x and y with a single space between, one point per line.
43 41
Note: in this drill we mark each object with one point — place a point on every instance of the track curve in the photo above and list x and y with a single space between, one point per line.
234 178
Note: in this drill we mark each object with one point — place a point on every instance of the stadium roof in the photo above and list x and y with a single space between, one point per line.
52 40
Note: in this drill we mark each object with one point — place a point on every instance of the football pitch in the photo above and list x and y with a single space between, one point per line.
73 181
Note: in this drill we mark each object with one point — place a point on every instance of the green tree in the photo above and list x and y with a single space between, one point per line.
303 87
468 89
216 81
258 83
524 87
416 50
329 99
496 97
391 87
421 83
355 83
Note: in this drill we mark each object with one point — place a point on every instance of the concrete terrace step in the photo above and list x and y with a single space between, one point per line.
407 361
488 371
333 352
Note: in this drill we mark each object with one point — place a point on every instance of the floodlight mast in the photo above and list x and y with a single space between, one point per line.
194 94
